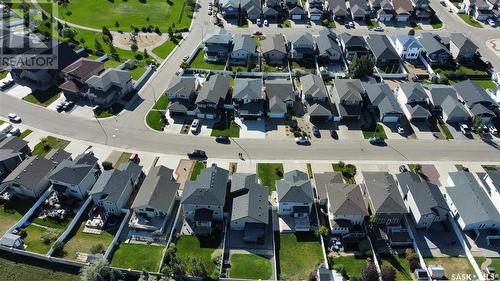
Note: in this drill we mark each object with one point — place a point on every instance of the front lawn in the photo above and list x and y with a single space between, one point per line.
269 173
21 271
220 129
399 263
124 157
138 257
470 21
199 62
198 167
164 49
25 133
272 68
299 254
452 265
375 131
43 98
154 119
250 266
348 171
113 110
189 247
445 130
47 144
353 265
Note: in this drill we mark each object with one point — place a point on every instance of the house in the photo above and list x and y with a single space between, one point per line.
155 200
422 15
109 86
230 8
248 98
353 45
359 9
461 47
382 102
281 98
76 76
481 10
338 9
403 9
435 52
328 47
492 180
217 46
251 9
203 199
13 151
250 208
212 97
375 4
424 200
244 50
386 12
181 94
30 178
316 97
272 9
445 104
75 178
112 190
346 209
295 199
420 4
415 101
469 204
315 9
302 46
297 13
274 49
407 47
477 100
385 200
348 98
383 51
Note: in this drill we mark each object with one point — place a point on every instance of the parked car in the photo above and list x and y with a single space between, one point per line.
195 126
316 132
401 130
14 118
491 22
302 140
134 158
223 139
7 84
197 153
450 10
266 23
14 132
334 134
464 128
68 105
185 58
209 13
258 22
378 29
402 169
493 130
59 106
376 140
257 33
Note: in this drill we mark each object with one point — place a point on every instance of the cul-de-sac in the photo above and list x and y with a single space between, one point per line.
240 140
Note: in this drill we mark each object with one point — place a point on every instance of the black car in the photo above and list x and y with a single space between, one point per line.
197 153
334 134
223 139
402 169
316 132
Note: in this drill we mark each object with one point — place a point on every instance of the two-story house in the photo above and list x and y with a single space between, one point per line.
13 151
435 52
281 98
384 53
302 46
316 98
359 9
212 97
382 102
403 9
248 98
353 45
348 98
338 9
414 100
181 94
217 46
445 104
407 47
480 104
462 48
492 180
109 86
328 47
386 11
244 50
274 50
76 75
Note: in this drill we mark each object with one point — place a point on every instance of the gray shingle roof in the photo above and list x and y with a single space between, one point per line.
295 187
438 93
209 188
313 86
417 111
462 42
453 108
381 96
247 89
467 193
346 199
430 44
302 39
319 109
471 93
158 190
244 42
278 91
74 171
413 91
252 200
31 172
353 40
348 89
111 184
338 8
214 90
383 193
358 7
181 86
495 178
381 47
13 143
220 36
273 42
327 43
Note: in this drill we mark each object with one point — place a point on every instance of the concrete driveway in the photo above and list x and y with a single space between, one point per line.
349 132
251 129
422 130
391 131
456 133
18 91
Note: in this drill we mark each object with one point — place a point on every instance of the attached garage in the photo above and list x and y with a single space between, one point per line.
296 17
390 118
275 115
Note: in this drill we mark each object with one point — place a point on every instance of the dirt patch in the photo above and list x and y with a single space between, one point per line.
144 40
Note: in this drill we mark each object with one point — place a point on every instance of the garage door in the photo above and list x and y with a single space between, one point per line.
276 115
316 17
390 119
296 17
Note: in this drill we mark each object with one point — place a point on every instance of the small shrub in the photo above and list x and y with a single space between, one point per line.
97 249
106 165
49 236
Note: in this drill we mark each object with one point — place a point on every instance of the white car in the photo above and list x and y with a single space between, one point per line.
195 126
14 118
491 22
401 130
266 23
258 22
464 129
302 140
378 29
14 132
493 130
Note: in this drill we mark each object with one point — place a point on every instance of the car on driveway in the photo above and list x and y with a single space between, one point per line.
464 128
266 23
402 169
334 134
14 132
197 154
493 130
14 118
316 132
378 29
7 84
195 126
302 140
223 139
401 130
376 140
491 22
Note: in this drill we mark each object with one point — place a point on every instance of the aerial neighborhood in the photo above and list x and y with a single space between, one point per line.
321 140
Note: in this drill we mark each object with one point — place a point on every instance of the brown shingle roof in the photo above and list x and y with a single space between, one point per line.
84 68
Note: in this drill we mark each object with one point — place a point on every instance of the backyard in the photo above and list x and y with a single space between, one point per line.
12 211
47 144
353 265
189 246
399 263
495 262
34 241
137 256
305 67
43 98
250 266
269 173
198 166
299 254
200 63
452 265
14 271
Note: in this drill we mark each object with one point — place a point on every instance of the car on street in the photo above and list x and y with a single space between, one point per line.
334 134
195 126
223 139
401 130
378 29
493 130
266 23
303 140
14 118
450 10
491 22
376 140
316 132
185 58
209 13
257 33
197 154
402 169
7 84
464 128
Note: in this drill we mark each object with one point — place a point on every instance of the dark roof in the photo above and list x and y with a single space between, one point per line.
220 36
302 39
13 143
381 96
431 44
247 89
251 201
58 155
183 86
427 196
209 188
438 93
405 179
346 200
327 43
158 190
358 7
462 42
31 172
278 91
295 187
495 178
323 179
453 108
353 40
338 8
383 193
413 91
273 42
348 89
83 68
381 47
244 42
471 93
312 85
214 90
111 184
74 171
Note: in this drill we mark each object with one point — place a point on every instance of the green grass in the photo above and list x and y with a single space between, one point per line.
126 13
220 129
445 130
191 246
399 263
250 266
13 271
269 173
25 133
271 68
3 74
285 24
161 103
378 131
124 158
111 111
372 24
485 84
137 256
243 24
47 144
154 120
1 122
352 264
83 242
200 63
198 167
164 49
470 21
33 239
304 67
299 254
452 265
43 98
9 215
347 175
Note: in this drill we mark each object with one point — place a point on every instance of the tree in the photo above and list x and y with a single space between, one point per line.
170 32
369 272
388 273
99 270
134 47
106 165
198 268
372 223
58 247
322 231
477 124
97 249
361 66
49 236
117 24
411 32
68 33
97 45
146 55
145 276
106 32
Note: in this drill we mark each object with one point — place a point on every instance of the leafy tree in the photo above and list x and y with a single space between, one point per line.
372 222
106 165
49 236
117 24
97 249
97 45
411 32
68 33
58 247
361 66
388 273
322 231
99 270
145 276
106 32
198 268
369 272
134 47
146 55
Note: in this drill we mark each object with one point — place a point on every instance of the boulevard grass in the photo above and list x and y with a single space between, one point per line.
164 49
47 144
250 266
470 21
138 257
299 254
269 173
154 119
14 271
25 133
161 103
